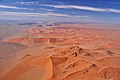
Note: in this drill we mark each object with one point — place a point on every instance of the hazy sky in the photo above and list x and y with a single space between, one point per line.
88 11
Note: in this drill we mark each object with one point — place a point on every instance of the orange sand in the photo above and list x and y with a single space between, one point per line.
64 53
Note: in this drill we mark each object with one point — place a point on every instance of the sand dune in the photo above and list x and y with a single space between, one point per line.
27 41
75 54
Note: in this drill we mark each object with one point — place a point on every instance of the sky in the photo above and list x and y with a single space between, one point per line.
83 11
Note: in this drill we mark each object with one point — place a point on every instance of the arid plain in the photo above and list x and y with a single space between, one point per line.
65 52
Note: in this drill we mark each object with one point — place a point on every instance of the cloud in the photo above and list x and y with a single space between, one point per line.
33 14
44 9
13 7
27 2
4 6
85 8
48 16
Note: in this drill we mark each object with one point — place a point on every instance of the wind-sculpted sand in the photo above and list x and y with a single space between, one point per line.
62 53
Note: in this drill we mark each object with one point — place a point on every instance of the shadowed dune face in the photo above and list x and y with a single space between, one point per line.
27 40
40 40
62 53
57 40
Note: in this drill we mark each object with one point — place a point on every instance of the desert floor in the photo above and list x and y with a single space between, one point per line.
67 52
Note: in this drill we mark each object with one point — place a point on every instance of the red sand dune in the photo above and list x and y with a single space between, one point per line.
27 41
77 54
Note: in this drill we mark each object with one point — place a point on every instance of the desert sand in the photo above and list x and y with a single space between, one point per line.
66 52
